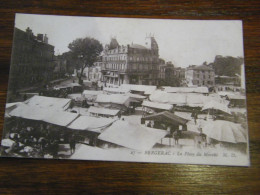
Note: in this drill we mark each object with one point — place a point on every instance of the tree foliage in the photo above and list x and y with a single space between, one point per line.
227 66
85 52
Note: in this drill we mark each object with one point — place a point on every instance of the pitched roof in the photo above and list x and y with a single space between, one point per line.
147 89
186 89
113 98
90 123
49 115
157 105
104 111
48 102
137 46
133 136
167 116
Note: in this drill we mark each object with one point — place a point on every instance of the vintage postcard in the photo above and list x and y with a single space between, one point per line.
121 89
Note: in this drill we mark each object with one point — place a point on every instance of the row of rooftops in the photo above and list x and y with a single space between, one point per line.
28 35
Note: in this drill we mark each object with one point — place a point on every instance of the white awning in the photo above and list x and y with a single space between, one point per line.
104 111
76 96
157 105
61 118
29 112
236 97
113 98
92 92
90 123
49 102
186 89
147 89
182 99
115 90
132 136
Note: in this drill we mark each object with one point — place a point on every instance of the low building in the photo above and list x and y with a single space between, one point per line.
202 75
228 83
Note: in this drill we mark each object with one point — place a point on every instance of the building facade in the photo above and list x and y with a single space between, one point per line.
32 60
170 75
200 76
131 64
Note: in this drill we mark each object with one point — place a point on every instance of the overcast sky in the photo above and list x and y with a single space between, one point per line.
184 42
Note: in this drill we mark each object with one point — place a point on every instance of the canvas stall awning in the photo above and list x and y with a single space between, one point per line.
156 105
10 106
61 118
76 97
167 117
90 123
104 111
132 136
49 102
168 98
136 96
114 98
195 100
29 112
202 90
147 89
113 90
67 85
236 97
183 99
216 106
225 93
91 94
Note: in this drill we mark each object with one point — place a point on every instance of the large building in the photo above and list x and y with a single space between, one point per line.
131 64
32 60
202 75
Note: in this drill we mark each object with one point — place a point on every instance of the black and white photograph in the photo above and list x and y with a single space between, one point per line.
127 89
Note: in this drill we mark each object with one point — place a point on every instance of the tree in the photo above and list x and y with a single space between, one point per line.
85 52
228 65
113 43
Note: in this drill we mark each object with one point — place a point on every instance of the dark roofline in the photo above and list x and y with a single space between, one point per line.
199 67
167 115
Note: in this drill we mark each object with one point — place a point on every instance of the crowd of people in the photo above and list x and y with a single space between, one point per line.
35 139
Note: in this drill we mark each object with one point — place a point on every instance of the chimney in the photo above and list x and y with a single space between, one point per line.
40 37
45 39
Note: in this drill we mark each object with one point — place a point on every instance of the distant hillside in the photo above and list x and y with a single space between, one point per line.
227 66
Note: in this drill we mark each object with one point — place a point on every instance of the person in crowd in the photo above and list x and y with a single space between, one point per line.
192 113
72 144
149 124
176 136
42 141
55 148
195 118
24 97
